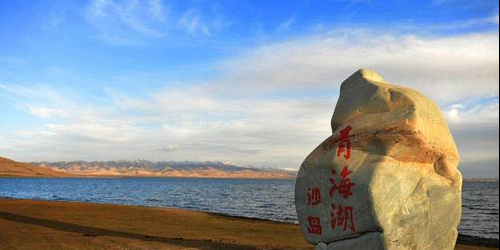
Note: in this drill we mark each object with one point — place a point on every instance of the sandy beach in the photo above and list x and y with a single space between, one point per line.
28 224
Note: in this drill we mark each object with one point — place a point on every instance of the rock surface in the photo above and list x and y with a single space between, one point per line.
386 178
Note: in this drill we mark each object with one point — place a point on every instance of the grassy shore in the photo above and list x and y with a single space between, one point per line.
27 224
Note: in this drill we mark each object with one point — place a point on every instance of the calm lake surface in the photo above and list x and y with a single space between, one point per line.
265 199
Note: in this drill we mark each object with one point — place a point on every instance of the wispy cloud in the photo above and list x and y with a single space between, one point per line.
126 21
203 23
157 9
285 26
467 24
134 22
192 22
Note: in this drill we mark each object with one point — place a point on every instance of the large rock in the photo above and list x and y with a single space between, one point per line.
387 178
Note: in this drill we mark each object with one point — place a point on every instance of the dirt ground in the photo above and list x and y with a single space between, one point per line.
27 224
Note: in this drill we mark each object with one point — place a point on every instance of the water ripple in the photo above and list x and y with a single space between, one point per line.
265 199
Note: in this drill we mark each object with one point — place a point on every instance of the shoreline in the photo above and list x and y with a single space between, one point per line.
462 238
36 224
139 176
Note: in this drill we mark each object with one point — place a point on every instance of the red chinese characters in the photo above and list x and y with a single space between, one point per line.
344 142
343 216
314 222
345 186
314 225
313 196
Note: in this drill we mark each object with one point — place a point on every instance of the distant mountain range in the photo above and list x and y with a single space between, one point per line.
164 169
142 168
10 168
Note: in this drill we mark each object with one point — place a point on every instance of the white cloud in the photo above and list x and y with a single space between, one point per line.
191 124
474 124
34 94
473 112
126 21
43 112
447 69
192 21
271 106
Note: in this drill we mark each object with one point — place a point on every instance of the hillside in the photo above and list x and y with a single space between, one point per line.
10 168
142 168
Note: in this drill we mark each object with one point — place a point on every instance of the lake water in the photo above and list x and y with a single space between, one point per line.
265 199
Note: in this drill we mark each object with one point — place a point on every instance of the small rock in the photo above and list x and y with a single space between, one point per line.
321 246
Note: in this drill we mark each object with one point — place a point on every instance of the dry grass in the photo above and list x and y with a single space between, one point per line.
26 224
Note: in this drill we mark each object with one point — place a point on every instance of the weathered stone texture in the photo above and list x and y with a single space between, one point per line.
403 164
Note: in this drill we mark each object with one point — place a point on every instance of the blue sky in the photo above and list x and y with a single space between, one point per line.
249 82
